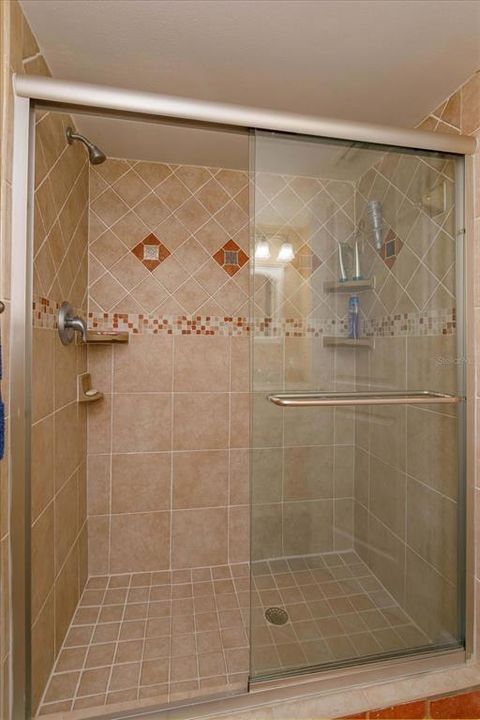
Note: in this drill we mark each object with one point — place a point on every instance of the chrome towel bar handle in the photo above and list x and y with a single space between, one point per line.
315 399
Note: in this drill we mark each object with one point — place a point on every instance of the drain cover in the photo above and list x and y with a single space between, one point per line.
276 616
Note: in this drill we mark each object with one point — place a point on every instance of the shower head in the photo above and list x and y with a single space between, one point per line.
376 220
95 155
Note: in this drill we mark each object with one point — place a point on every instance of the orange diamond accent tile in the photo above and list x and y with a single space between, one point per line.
390 248
306 261
231 257
151 252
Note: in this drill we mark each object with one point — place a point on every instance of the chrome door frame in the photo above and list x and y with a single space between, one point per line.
81 97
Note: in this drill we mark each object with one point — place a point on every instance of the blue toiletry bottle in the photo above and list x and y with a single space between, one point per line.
353 317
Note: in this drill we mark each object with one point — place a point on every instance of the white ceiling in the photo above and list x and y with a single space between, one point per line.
384 61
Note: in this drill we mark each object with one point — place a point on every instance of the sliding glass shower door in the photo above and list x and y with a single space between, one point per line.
357 480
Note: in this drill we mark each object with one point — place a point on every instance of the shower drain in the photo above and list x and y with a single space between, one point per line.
276 616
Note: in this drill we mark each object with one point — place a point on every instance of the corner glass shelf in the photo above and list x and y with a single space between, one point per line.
339 341
349 286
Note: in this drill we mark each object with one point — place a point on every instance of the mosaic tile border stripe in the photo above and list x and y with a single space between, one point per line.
434 322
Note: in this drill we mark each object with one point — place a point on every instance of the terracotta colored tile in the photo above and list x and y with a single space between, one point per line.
457 706
402 712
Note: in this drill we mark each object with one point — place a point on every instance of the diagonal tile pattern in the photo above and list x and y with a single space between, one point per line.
414 267
175 220
311 214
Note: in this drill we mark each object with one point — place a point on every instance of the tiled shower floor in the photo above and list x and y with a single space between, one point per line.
338 610
165 636
154 638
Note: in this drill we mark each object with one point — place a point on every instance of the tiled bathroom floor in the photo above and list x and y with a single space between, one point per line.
337 610
165 636
154 637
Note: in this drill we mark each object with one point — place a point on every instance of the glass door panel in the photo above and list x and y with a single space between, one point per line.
356 509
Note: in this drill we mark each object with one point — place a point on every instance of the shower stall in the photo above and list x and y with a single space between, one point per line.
240 452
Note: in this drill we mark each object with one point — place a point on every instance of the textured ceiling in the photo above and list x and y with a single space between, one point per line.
381 61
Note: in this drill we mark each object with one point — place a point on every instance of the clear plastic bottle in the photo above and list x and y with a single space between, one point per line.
353 317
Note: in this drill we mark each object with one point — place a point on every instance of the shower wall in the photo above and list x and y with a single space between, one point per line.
58 494
302 458
19 54
168 445
406 502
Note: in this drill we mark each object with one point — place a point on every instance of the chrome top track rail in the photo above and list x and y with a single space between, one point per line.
97 97
311 399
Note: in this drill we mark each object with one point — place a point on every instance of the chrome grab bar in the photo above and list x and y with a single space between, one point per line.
400 397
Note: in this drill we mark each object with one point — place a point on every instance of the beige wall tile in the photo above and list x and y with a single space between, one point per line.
201 363
309 426
141 422
199 537
144 365
430 599
308 473
42 465
239 477
239 534
98 544
43 649
432 528
386 557
98 484
43 571
267 469
388 495
66 597
70 441
140 542
66 520
100 365
42 383
302 533
99 427
141 482
65 373
200 479
200 421
432 449
343 524
239 420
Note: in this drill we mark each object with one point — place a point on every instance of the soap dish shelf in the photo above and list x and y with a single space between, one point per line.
340 341
349 286
104 337
85 392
